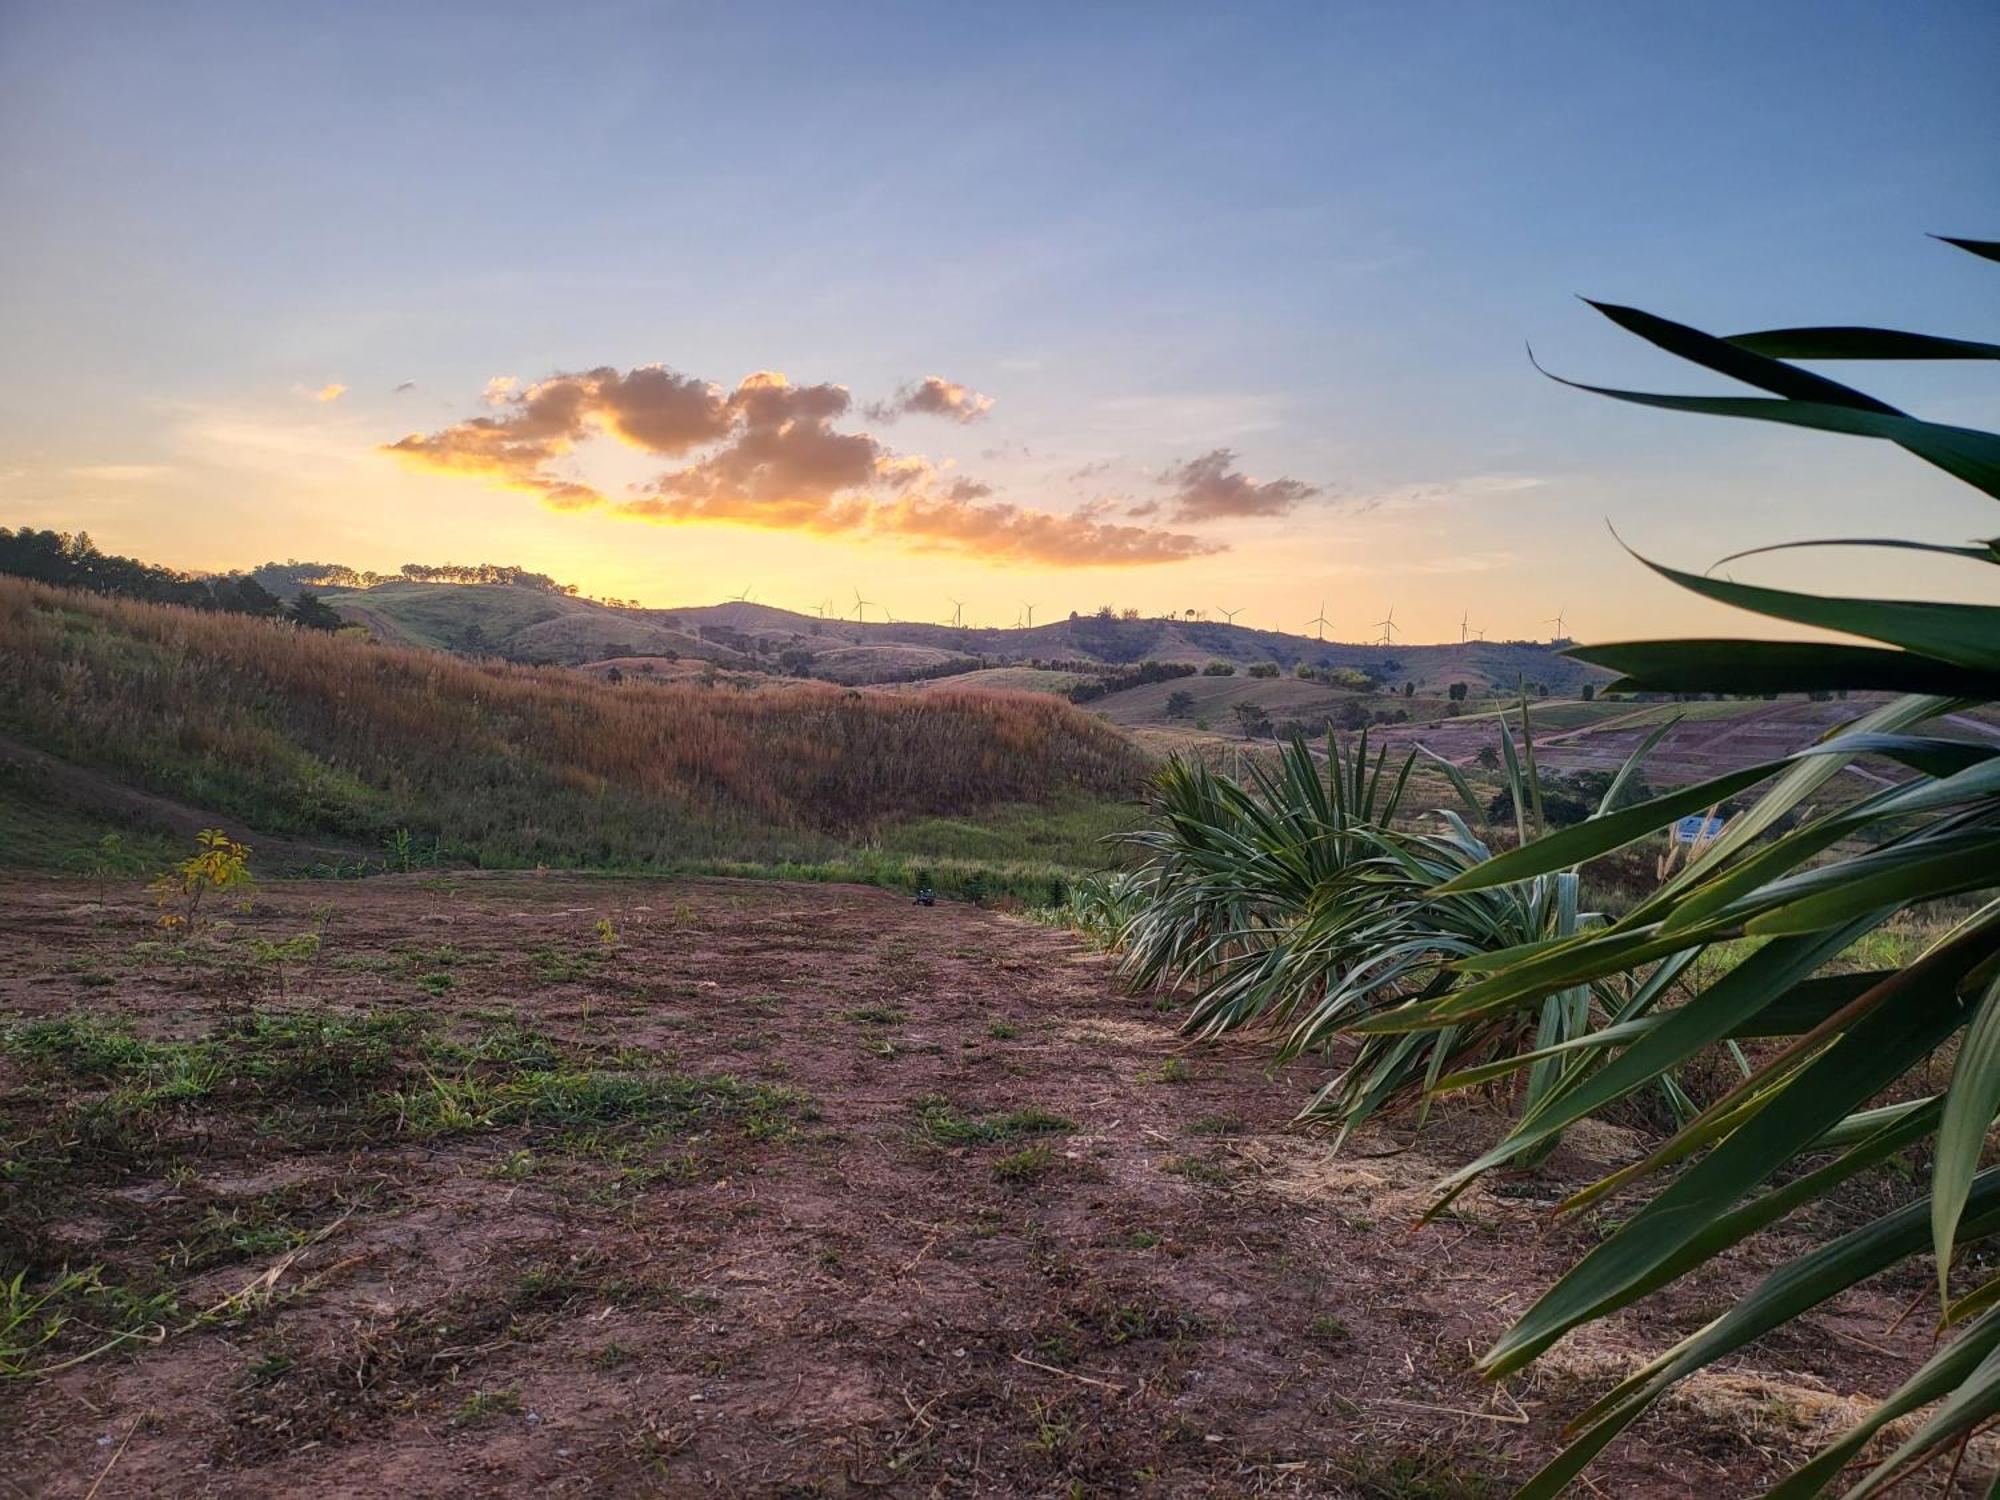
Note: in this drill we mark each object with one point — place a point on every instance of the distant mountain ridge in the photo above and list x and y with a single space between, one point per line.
555 628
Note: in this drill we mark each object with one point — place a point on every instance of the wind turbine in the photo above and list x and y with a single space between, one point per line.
1031 613
742 598
860 607
1462 626
1388 628
1320 621
1557 621
1228 614
958 614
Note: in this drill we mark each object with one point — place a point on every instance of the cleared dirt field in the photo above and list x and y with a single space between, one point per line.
761 1189
1710 739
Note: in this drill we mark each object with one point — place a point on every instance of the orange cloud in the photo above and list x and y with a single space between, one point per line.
331 392
767 454
934 396
1209 488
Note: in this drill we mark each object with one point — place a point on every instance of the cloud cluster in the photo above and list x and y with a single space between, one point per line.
1211 488
770 454
934 396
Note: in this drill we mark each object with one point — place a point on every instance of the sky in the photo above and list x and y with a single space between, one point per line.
1158 306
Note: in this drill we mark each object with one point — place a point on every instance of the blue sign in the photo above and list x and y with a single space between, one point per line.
1697 829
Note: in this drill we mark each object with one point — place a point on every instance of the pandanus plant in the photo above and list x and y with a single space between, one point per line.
1293 904
1845 1082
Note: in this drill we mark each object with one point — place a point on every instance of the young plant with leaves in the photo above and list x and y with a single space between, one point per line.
218 864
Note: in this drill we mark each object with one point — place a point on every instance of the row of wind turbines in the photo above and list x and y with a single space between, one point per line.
1318 624
825 610
1467 631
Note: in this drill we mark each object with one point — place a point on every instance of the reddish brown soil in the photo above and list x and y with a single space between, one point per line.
1180 1297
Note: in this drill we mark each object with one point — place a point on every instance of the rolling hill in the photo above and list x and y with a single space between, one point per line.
539 626
317 739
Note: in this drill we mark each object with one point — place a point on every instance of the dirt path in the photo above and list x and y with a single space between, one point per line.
967 1222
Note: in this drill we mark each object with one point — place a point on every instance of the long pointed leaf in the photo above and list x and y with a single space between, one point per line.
1727 357
1964 452
1969 1110
1752 666
1920 1008
1858 343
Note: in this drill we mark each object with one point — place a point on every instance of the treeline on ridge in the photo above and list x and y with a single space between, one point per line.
73 560
287 578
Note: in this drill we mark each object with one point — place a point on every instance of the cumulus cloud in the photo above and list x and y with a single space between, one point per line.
1211 488
933 396
767 453
332 392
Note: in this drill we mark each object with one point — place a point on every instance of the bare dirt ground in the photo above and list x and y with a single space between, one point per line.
1709 740
759 1190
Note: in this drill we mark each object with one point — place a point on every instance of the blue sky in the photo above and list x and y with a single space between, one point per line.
1318 237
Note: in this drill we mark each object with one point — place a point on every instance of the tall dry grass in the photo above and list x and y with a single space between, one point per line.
296 731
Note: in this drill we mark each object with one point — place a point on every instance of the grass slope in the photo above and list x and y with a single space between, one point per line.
521 624
301 734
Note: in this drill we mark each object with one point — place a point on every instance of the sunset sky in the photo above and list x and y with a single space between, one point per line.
1169 306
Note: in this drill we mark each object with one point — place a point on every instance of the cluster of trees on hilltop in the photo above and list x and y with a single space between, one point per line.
287 578
73 561
1117 682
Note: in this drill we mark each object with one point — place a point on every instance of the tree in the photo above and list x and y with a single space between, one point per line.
1589 692
240 594
1560 808
1180 703
308 611
1409 690
1218 669
1456 692
1489 758
1253 718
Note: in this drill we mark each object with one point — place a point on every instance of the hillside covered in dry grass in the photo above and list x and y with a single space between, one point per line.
301 733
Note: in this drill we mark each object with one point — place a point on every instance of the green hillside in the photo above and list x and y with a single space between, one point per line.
166 717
